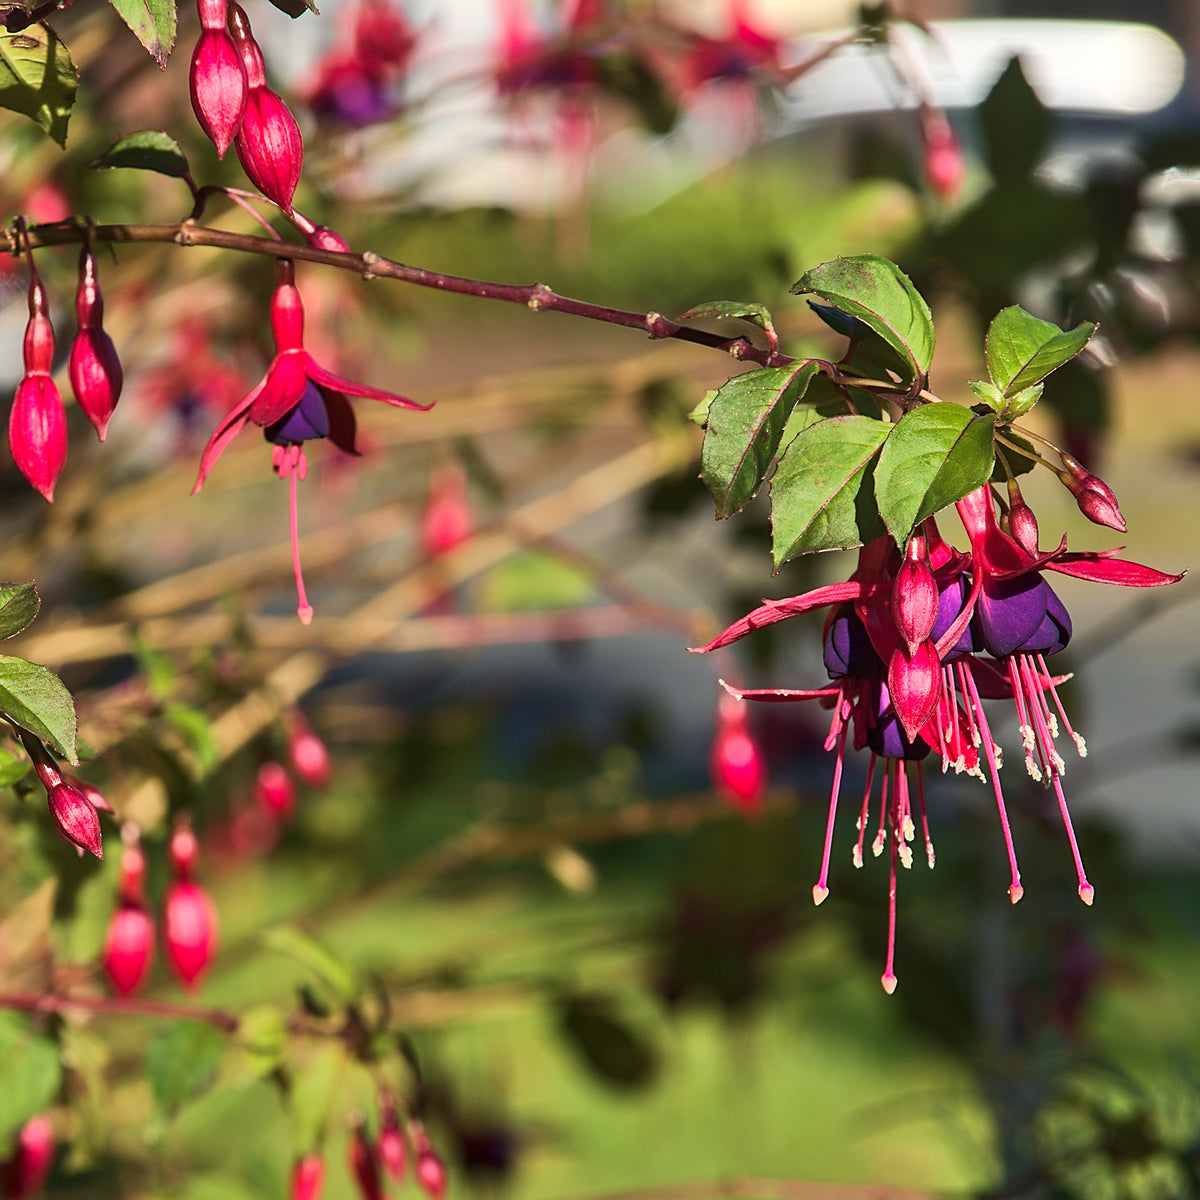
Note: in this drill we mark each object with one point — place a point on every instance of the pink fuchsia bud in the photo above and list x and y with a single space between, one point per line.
430 1170
1093 496
942 161
218 85
95 369
914 683
446 521
393 1153
75 817
308 1177
318 236
131 886
1022 524
24 1174
183 850
915 596
364 1164
308 755
736 765
268 144
274 791
129 948
191 932
37 433
93 793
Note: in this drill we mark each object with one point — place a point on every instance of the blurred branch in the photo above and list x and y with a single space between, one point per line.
752 1188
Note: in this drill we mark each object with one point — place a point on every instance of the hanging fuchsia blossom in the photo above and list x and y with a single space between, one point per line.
296 401
996 622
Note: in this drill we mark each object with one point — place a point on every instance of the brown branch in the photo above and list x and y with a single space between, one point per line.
53 1002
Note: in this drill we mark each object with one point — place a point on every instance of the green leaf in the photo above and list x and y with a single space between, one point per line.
340 977
30 1074
182 1060
36 699
19 603
153 24
533 580
756 314
821 495
699 414
1022 350
311 1096
615 1052
262 1039
197 729
294 8
935 455
876 291
745 423
38 78
1016 126
989 393
146 150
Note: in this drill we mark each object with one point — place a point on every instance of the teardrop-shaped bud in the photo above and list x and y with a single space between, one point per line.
1093 496
308 755
1022 524
75 817
308 1177
24 1173
942 159
446 521
95 796
218 87
37 433
274 791
191 932
430 1170
914 596
364 1164
393 1152
736 764
915 685
129 948
96 376
183 850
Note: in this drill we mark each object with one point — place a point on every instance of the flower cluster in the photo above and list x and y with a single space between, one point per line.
916 640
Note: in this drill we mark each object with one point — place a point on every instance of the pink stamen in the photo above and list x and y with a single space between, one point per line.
1086 891
297 468
929 854
888 979
821 888
1052 762
862 816
1028 738
1015 890
903 829
881 837
1077 738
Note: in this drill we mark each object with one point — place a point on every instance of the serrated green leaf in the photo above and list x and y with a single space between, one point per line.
30 1074
1021 402
745 423
338 975
989 393
19 604
1022 350
146 150
879 294
936 454
153 23
821 494
756 314
38 78
35 698
311 1095
181 1062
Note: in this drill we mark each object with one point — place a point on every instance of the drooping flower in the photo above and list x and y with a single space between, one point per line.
37 423
129 944
296 401
996 622
942 159
190 919
95 369
217 81
736 764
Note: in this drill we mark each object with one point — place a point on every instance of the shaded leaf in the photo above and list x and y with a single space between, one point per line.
182 1060
153 23
879 294
935 455
1016 127
331 970
146 150
38 78
1021 350
821 496
19 603
699 414
36 699
29 1076
295 8
745 424
610 1047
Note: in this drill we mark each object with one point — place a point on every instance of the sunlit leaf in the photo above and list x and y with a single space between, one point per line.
38 78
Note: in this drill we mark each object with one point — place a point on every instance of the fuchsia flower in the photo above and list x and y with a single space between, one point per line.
308 1177
23 1174
95 369
189 916
37 422
942 159
129 944
736 764
296 401
218 80
996 621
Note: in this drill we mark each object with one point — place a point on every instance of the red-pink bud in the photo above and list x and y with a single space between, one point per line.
183 850
736 765
308 755
24 1174
93 793
218 86
430 1170
129 948
1093 496
943 162
915 596
95 369
308 1177
37 432
393 1153
130 888
287 308
446 521
38 346
915 685
274 791
191 932
364 1165
75 817
1022 524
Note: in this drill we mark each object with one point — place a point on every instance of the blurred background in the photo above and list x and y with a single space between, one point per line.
529 895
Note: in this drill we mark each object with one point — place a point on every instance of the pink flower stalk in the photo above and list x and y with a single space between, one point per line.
308 755
296 401
308 1178
23 1175
129 944
95 369
446 521
997 621
218 80
736 764
274 791
268 143
37 424
942 160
